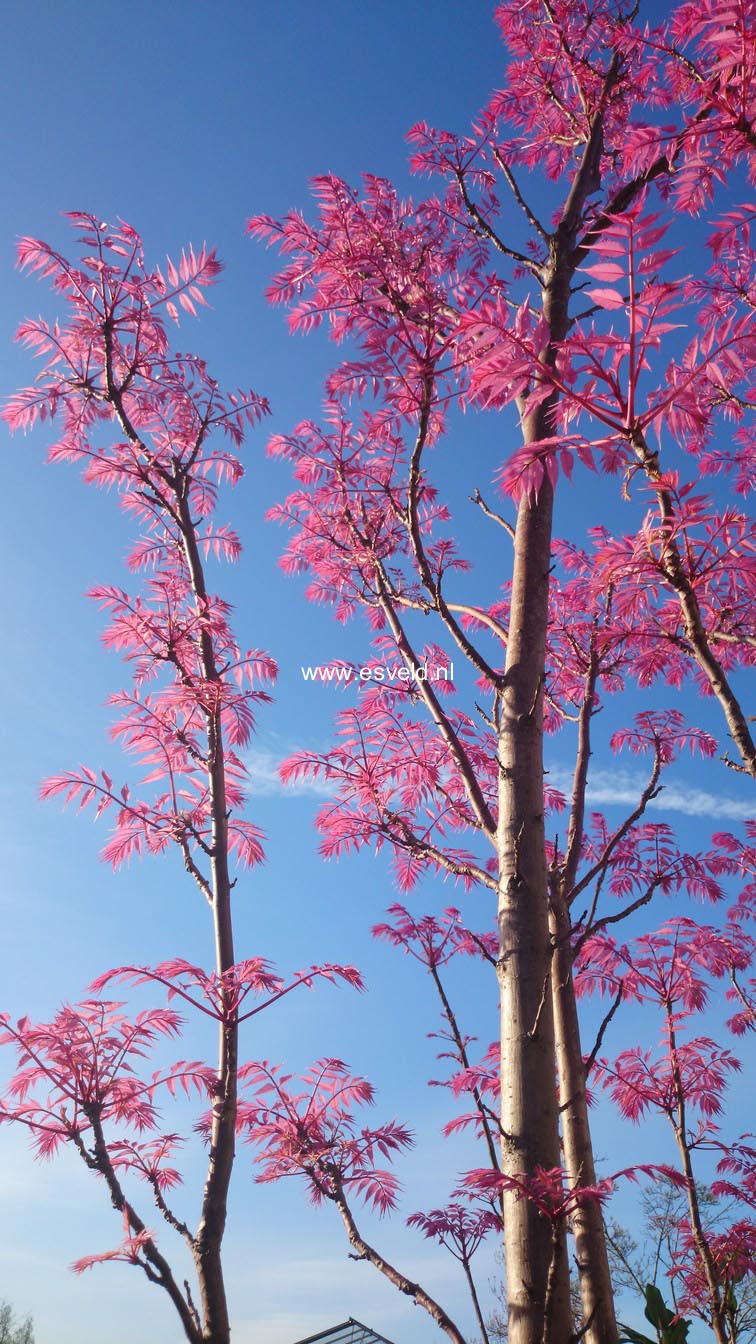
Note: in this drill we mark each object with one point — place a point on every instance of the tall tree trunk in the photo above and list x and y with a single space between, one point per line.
717 1312
587 1222
537 1265
536 1261
212 1223
209 1239
594 1276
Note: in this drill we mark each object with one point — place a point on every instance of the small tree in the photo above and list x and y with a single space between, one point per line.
82 1079
636 1264
13 1331
685 1082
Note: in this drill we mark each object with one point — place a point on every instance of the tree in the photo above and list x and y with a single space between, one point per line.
444 303
477 296
155 427
13 1331
685 1082
664 1213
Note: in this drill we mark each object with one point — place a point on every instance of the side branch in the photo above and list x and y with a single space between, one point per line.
478 499
433 705
405 838
157 1267
431 585
580 779
672 567
520 199
364 1251
482 1109
481 226
591 1060
598 868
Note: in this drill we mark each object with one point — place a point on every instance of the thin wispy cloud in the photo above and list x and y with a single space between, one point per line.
624 788
606 788
265 779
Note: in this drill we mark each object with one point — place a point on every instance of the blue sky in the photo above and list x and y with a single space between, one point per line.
185 119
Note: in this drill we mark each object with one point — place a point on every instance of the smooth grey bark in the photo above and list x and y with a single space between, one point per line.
538 1290
210 1323
536 1256
587 1223
208 1240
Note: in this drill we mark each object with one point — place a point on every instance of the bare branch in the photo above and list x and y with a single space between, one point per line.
591 1060
464 1059
509 175
427 694
671 566
481 226
364 1251
651 790
580 778
431 585
617 918
170 1217
478 499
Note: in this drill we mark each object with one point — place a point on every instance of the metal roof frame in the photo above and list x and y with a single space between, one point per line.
346 1332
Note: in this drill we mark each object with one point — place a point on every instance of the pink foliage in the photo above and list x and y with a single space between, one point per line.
734 1256
434 940
223 996
80 1071
457 1227
310 1130
548 1190
128 1252
111 364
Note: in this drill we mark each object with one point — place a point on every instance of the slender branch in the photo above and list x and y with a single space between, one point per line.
651 790
430 699
194 871
744 999
475 1300
170 1217
520 199
411 842
433 586
464 1060
478 499
591 1060
160 1269
190 1303
580 778
481 226
365 1251
672 567
700 1239
464 609
605 923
